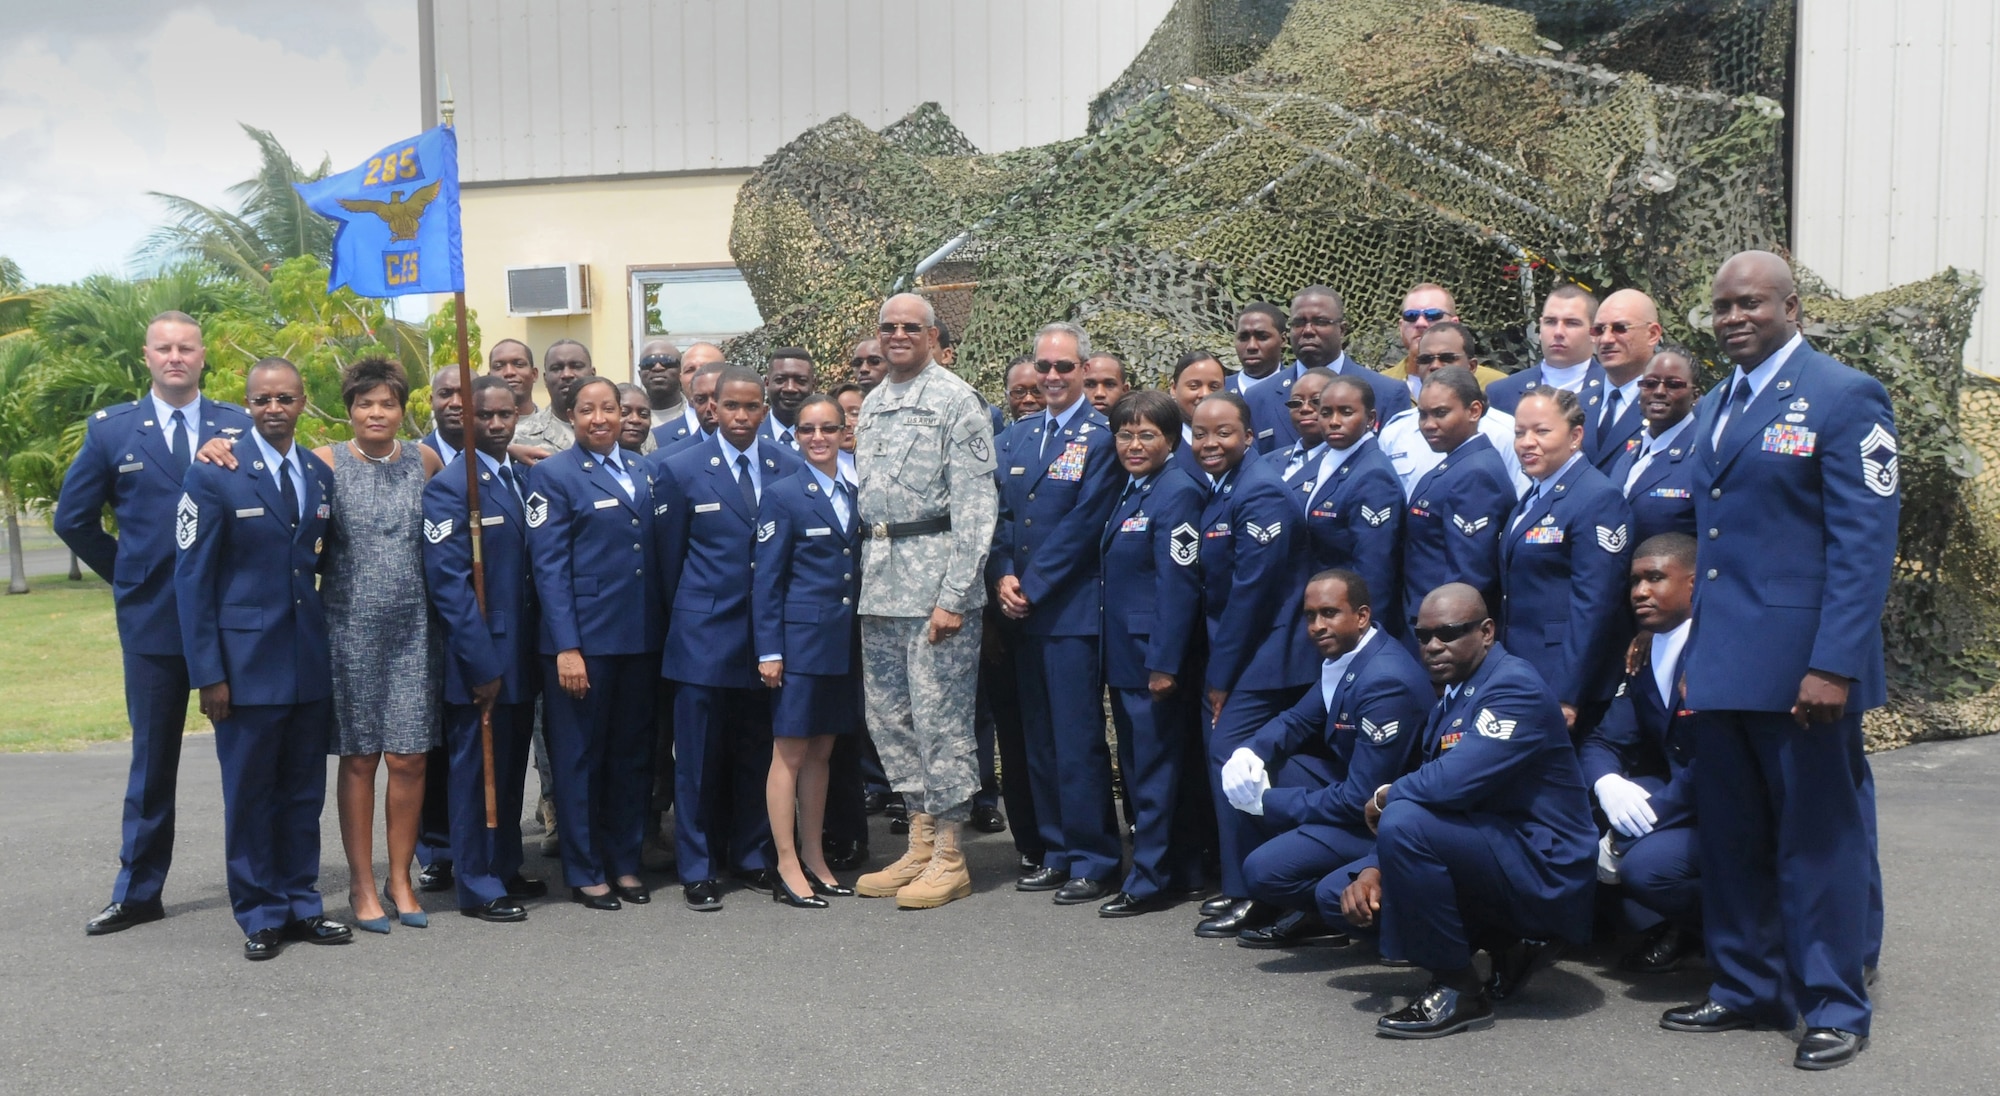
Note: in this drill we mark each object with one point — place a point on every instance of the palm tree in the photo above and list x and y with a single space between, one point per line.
27 447
17 301
94 331
270 224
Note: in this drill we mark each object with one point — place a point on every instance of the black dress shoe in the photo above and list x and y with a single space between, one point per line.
845 855
638 896
318 930
1828 1048
521 887
828 890
500 911
1217 904
760 880
988 820
435 877
1078 891
1124 905
1293 930
873 802
1705 1016
1514 964
703 896
119 916
1660 952
782 894
606 901
1244 913
1441 1011
263 944
1042 879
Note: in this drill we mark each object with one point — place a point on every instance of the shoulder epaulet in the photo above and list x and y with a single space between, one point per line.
116 410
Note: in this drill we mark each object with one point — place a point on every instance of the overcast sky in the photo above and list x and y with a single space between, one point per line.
104 100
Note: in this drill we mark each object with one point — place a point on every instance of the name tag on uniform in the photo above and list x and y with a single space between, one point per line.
1069 466
822 531
252 512
1792 441
606 504
133 467
1543 534
1137 523
1262 434
497 519
1017 470
706 507
1671 493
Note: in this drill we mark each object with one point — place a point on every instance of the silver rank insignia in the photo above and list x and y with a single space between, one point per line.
1376 517
435 532
1379 733
185 517
1492 726
766 531
1878 462
1264 534
660 509
536 509
1612 540
1185 544
1469 528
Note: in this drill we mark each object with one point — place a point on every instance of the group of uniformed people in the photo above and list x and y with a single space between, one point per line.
1373 665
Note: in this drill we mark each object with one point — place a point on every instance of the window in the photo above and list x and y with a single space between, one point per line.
690 304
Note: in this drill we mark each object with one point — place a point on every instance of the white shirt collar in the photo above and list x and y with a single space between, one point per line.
1763 372
492 465
164 412
446 449
825 481
730 453
1061 420
1330 460
274 462
1537 486
1331 670
1565 377
1667 647
1662 441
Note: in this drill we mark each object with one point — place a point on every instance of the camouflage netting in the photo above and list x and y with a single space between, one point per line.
1256 146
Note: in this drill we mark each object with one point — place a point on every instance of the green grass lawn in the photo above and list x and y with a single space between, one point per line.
61 677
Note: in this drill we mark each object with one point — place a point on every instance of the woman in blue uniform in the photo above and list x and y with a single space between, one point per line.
1564 560
1152 609
1197 376
589 513
808 568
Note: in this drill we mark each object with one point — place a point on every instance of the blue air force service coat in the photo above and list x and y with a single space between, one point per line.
808 578
502 643
1152 580
1565 563
592 555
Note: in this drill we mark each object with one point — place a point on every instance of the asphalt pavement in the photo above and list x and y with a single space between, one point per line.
1003 992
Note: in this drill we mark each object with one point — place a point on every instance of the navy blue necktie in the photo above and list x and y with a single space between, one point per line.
507 477
291 492
1739 402
184 444
846 497
743 484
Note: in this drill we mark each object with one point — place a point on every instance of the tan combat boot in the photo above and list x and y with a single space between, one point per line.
944 879
892 879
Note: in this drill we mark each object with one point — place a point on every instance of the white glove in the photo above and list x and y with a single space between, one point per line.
1607 861
1625 805
1240 773
1250 799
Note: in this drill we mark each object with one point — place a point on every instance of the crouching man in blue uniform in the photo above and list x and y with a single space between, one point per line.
1488 845
1310 772
255 633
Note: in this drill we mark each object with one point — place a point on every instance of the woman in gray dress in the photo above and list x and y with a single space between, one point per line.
386 660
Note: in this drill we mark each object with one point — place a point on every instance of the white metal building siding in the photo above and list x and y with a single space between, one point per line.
567 89
1897 155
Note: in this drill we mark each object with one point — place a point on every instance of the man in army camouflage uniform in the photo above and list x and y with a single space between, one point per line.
924 450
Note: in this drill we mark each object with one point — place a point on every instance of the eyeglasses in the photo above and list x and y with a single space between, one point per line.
1300 323
1062 366
1448 633
1412 315
900 328
808 430
1143 437
1440 359
1295 403
1671 384
281 401
871 359
1616 327
657 359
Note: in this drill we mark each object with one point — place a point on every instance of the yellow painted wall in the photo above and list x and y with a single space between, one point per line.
611 225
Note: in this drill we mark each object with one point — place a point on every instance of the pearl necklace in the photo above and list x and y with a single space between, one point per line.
363 454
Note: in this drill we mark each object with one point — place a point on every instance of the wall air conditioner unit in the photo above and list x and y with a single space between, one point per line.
557 289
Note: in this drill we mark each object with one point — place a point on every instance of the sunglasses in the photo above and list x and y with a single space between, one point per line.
1616 327
809 429
1300 323
872 359
1448 633
1295 403
656 359
1412 315
1671 384
266 401
900 328
1063 366
1440 359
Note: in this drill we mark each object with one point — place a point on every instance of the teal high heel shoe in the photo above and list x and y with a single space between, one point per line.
416 919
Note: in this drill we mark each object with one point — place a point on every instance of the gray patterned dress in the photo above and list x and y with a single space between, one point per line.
387 666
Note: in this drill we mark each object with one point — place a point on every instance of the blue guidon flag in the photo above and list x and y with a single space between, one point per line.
398 218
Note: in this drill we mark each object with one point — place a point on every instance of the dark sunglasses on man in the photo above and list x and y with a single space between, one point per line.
652 360
1061 366
1446 358
1616 327
860 360
1447 633
1412 315
1671 384
886 328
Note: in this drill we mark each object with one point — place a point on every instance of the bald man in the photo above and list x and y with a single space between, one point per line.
1627 333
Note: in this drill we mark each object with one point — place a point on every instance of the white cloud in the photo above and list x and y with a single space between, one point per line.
95 114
